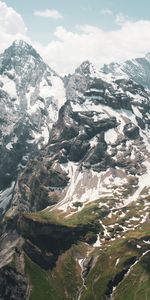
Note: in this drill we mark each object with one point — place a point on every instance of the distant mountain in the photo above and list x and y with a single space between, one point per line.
74 201
136 69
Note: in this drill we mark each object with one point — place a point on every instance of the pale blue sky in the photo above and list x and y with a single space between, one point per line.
75 13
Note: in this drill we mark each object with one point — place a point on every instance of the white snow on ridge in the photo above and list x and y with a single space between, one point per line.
137 112
93 142
5 196
111 136
9 86
9 146
88 186
40 137
98 242
55 90
32 109
144 181
45 134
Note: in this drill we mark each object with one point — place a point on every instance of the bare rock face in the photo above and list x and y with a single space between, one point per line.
45 242
131 131
101 131
31 94
13 281
78 149
135 69
13 285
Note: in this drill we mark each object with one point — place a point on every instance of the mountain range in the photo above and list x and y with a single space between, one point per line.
74 180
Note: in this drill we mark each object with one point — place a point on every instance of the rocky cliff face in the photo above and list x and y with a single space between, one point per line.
31 94
81 200
135 69
13 281
99 146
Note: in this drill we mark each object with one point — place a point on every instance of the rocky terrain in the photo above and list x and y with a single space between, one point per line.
135 69
31 94
74 202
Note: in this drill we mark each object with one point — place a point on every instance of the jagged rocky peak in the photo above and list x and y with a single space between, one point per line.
87 68
17 56
84 68
100 139
78 82
31 94
106 69
21 48
137 69
22 60
27 79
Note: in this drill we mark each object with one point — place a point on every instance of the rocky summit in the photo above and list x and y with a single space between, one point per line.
31 94
74 180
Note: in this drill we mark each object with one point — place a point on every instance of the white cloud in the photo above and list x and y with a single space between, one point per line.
106 12
48 13
69 49
10 21
120 18
12 26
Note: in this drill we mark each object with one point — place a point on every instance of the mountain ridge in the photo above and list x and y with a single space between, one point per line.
80 204
31 95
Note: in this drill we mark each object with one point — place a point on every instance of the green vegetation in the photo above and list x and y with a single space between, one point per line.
60 284
64 281
135 286
90 214
106 268
67 274
110 260
42 286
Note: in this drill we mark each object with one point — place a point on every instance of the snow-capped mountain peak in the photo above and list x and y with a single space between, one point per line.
20 47
31 95
137 69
